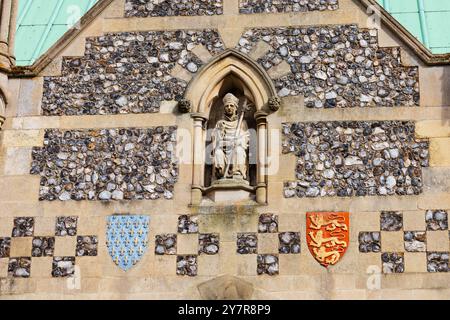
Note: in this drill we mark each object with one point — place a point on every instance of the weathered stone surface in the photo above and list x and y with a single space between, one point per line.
63 267
226 288
355 158
415 241
247 243
208 244
336 66
268 223
436 220
277 6
393 262
66 226
437 261
391 221
108 164
23 227
126 73
187 224
43 247
166 244
5 247
267 264
369 242
289 243
187 265
19 267
86 246
162 8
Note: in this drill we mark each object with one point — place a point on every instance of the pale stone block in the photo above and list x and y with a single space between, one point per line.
168 106
291 222
209 265
17 161
414 221
349 295
230 259
415 262
41 267
247 223
246 265
187 244
6 226
259 50
290 264
23 138
432 129
30 97
436 180
363 222
309 265
348 262
231 35
279 70
392 241
268 243
202 53
21 247
164 223
439 155
89 267
438 241
65 246
439 200
165 265
181 73
4 267
19 188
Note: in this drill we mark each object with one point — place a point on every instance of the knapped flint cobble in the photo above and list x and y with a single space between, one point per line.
166 244
19 267
87 246
162 8
393 262
267 264
415 241
355 158
63 267
208 243
336 66
369 242
437 261
66 226
391 221
436 220
43 247
23 227
187 224
187 265
5 247
247 243
268 223
126 72
278 6
107 164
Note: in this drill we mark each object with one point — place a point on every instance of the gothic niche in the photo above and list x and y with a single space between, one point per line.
230 99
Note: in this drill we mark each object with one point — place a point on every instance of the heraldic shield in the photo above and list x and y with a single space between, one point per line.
127 239
327 236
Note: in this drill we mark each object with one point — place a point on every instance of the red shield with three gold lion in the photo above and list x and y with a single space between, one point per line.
327 236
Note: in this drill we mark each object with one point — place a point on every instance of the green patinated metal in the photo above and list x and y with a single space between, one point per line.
42 22
427 20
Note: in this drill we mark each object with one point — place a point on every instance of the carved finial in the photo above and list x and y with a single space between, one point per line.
274 103
184 106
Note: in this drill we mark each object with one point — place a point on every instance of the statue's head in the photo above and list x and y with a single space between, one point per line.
230 104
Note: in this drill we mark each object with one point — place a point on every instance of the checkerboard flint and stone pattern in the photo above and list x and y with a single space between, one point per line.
398 247
187 264
45 246
268 263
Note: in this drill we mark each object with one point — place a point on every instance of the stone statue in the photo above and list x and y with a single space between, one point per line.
230 140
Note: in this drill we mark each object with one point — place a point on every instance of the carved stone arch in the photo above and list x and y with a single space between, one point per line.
206 89
231 62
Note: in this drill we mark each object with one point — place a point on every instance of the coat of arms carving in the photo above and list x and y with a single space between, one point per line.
327 236
127 239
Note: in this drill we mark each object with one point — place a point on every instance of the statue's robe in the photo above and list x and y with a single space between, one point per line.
226 150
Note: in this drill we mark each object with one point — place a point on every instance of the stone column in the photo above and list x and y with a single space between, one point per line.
261 174
2 111
198 157
8 11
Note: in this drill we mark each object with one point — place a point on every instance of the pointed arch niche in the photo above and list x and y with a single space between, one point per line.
235 72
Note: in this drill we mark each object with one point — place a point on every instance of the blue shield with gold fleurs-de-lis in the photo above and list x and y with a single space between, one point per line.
127 239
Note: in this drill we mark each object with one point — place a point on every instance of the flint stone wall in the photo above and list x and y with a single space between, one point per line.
108 164
161 8
127 72
355 158
336 66
278 6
